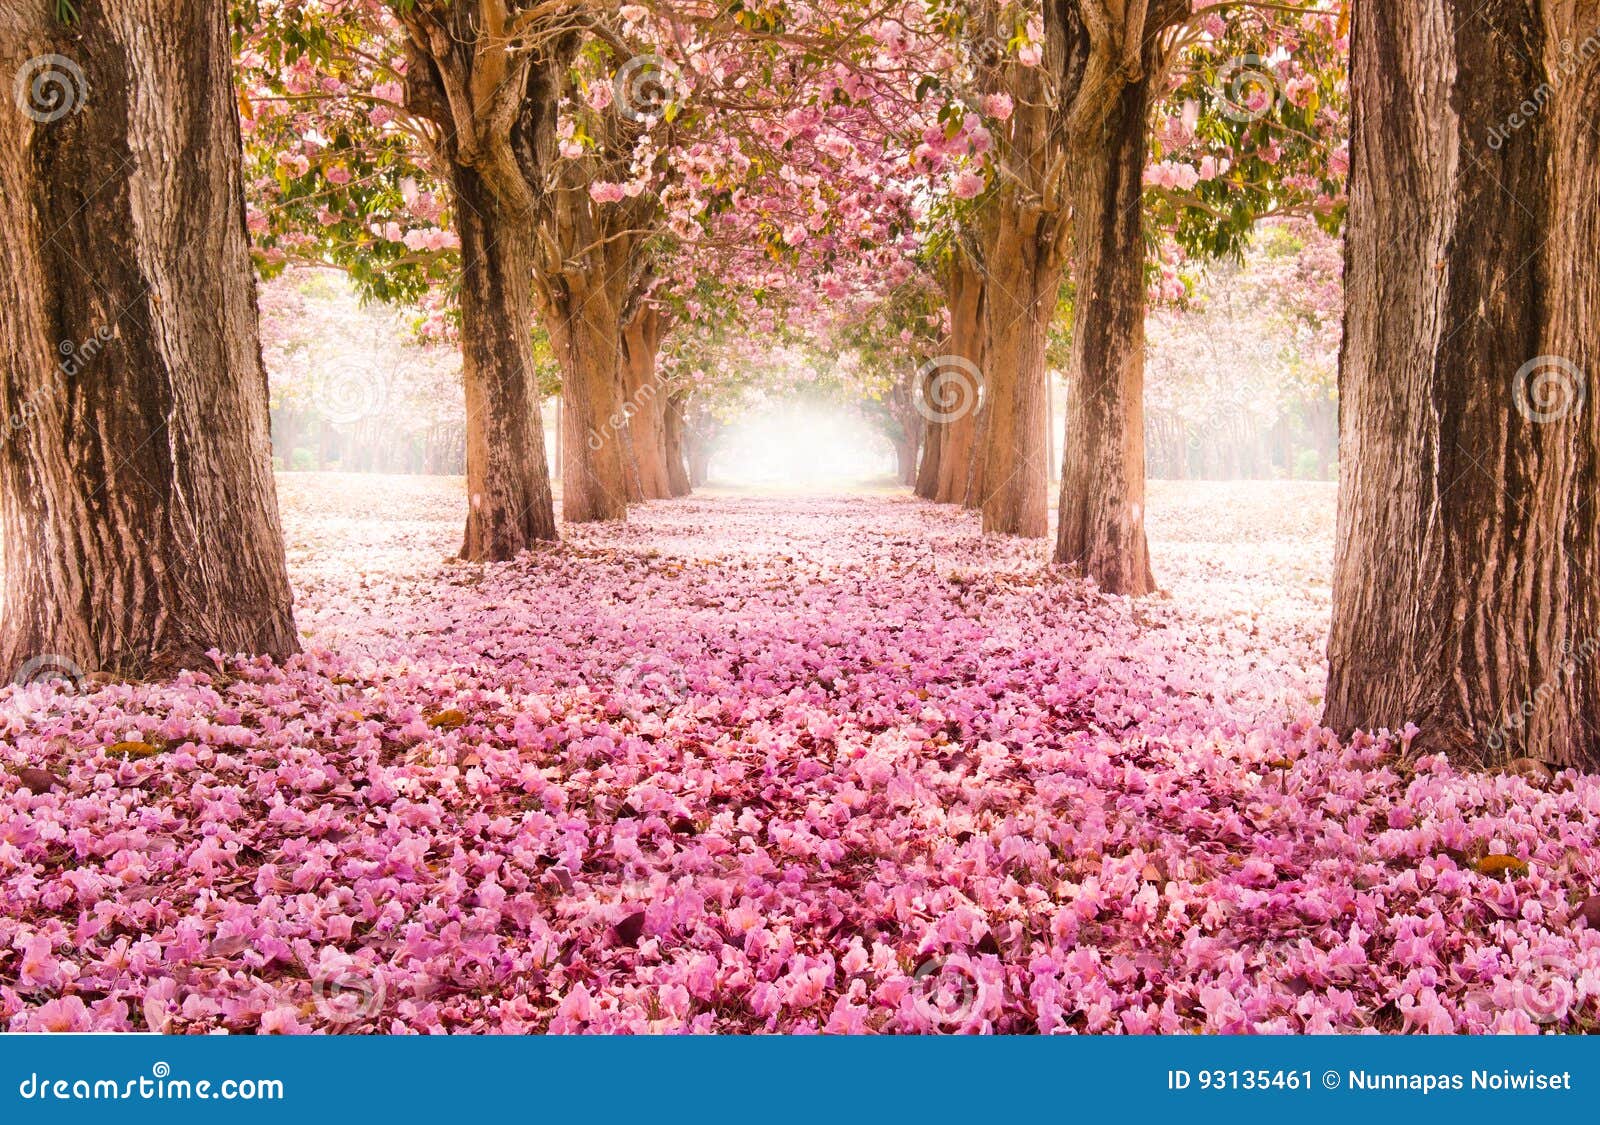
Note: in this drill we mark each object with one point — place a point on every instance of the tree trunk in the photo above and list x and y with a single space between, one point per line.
699 462
559 428
958 437
508 477
926 478
1019 300
584 320
138 517
677 469
1100 526
905 459
1464 591
644 402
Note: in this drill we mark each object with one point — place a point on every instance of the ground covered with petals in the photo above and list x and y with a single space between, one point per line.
777 763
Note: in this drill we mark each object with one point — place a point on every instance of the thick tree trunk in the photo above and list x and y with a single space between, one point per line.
584 318
958 436
645 403
677 468
1465 597
510 507
1100 527
1019 299
138 517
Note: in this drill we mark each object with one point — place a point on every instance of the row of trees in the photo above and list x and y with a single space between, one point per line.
583 165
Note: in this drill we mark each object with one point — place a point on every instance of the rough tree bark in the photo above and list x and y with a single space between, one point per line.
1109 67
581 301
138 515
1100 528
508 477
959 477
1465 597
1023 278
1021 238
489 77
1055 153
591 257
646 399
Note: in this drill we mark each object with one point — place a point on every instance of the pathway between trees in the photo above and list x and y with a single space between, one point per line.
771 762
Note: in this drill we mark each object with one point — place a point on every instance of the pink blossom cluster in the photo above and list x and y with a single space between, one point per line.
777 763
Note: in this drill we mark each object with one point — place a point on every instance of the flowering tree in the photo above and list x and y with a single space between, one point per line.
138 518
1071 99
1463 591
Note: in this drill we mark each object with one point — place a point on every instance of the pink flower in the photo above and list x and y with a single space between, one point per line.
282 1020
67 1013
39 967
968 184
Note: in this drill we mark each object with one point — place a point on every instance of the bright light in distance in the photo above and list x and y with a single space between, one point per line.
799 445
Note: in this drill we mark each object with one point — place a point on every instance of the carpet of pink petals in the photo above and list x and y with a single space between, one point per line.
793 763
